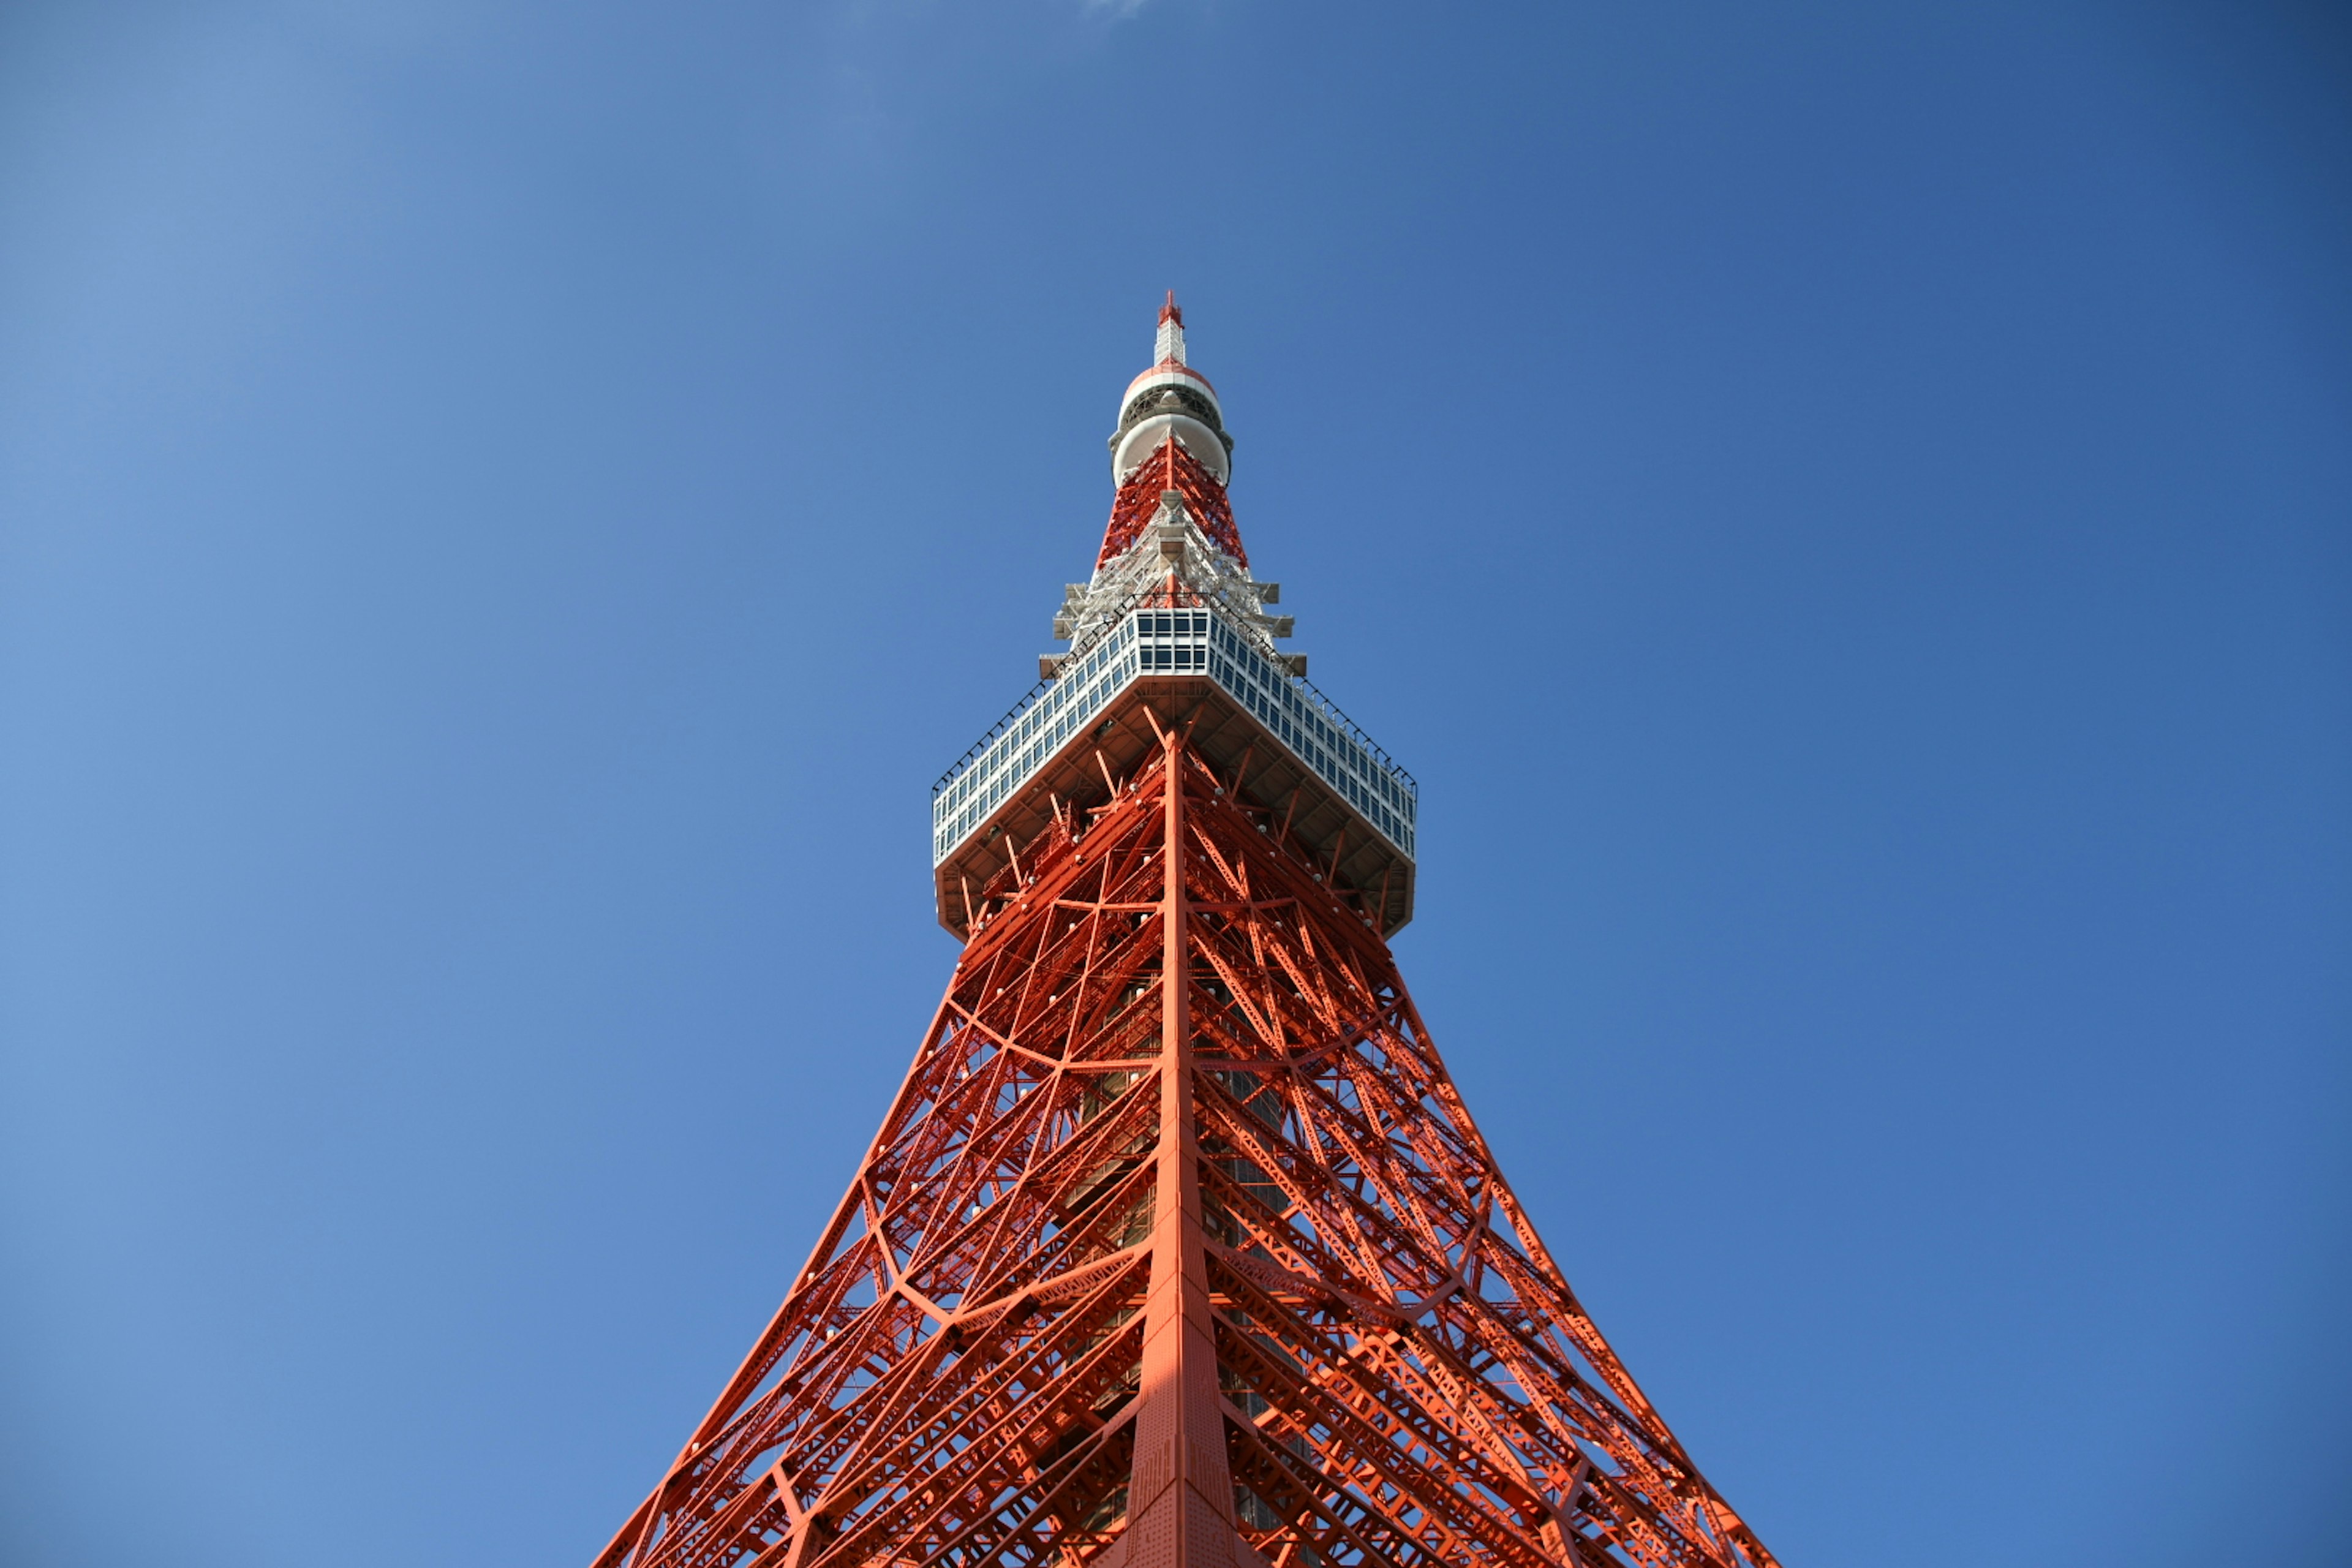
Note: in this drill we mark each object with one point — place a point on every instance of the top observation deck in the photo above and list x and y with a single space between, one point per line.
1172 631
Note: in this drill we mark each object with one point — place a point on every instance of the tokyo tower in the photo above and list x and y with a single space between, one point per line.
1178 1248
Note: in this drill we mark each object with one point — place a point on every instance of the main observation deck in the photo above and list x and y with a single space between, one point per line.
1283 744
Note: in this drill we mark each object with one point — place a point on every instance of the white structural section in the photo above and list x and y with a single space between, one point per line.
1140 443
1170 346
1172 545
1168 372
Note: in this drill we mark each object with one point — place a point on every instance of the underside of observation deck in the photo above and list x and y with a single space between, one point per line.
1367 873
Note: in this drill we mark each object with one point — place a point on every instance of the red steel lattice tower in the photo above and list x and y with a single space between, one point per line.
1178 1247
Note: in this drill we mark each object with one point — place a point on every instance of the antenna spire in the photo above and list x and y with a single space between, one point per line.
1171 348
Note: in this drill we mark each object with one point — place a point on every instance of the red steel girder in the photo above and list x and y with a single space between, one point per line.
1178 1248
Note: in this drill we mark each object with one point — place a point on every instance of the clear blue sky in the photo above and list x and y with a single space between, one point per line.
504 511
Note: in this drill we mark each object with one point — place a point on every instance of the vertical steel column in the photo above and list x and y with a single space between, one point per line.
1180 1505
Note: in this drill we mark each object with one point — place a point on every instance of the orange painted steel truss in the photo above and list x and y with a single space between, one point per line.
1170 468
1179 1247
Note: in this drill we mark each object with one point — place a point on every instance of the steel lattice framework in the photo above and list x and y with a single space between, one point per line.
1170 468
1178 1247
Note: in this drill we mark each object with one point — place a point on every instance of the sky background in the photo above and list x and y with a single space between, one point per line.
504 509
